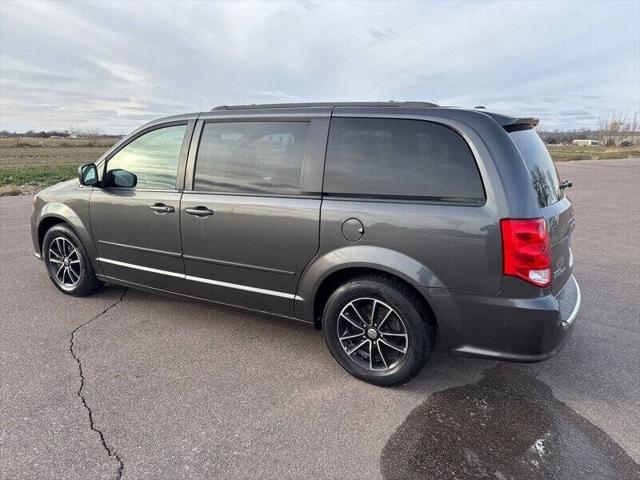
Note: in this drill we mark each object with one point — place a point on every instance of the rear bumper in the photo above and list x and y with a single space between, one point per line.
514 329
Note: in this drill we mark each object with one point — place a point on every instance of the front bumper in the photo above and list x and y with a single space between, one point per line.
515 329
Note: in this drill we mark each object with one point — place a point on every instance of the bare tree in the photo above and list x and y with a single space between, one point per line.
616 128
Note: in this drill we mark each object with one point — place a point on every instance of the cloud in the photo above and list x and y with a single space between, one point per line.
127 74
383 35
106 67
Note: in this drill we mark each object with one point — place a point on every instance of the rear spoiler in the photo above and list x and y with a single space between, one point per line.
511 123
521 124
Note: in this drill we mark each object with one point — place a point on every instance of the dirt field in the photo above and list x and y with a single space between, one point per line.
50 151
30 164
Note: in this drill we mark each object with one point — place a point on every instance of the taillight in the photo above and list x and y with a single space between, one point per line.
526 250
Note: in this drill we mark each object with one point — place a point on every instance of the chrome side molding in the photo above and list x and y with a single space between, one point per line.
218 283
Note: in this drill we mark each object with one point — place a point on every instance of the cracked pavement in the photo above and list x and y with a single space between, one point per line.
110 451
145 386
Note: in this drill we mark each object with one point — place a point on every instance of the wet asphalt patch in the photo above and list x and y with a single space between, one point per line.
508 425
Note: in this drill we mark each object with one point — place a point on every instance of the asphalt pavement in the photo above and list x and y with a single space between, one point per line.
125 384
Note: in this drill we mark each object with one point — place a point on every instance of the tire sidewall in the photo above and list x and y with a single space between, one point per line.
419 340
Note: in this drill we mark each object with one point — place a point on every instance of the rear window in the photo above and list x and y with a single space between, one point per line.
542 171
400 158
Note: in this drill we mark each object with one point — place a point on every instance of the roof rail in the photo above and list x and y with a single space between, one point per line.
324 104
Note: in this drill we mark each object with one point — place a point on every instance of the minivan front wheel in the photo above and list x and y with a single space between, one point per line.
67 262
376 330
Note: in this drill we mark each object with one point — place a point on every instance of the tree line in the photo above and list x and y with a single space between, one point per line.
90 134
614 130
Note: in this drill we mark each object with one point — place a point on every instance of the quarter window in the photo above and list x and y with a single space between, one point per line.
544 177
251 157
400 158
153 158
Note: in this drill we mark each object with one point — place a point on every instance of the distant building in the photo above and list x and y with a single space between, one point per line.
586 142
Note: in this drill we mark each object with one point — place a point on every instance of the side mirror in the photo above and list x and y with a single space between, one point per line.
88 174
120 178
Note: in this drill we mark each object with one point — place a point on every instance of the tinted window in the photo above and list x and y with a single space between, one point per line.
544 177
153 157
400 158
251 157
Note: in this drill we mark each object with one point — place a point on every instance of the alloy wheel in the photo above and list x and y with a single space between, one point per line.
372 334
65 263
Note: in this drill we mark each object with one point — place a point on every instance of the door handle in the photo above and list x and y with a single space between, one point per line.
162 208
199 211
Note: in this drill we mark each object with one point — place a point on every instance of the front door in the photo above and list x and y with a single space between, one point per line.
251 222
137 230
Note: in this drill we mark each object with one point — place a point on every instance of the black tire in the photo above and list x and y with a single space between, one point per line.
79 279
382 294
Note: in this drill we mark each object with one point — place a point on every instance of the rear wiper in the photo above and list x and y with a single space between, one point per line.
566 184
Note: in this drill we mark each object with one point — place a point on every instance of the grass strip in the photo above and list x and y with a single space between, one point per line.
37 175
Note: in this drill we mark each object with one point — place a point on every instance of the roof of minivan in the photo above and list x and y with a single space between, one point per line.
506 120
324 104
509 121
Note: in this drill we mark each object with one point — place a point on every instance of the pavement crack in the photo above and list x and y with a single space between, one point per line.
111 452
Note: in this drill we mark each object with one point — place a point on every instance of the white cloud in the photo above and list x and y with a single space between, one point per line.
116 65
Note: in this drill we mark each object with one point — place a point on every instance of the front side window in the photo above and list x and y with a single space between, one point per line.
400 158
153 158
251 157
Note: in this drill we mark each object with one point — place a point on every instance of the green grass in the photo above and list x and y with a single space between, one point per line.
36 175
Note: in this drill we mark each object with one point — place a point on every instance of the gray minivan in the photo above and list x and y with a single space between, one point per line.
386 225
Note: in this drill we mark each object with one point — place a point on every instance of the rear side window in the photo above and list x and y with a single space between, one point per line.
542 171
400 158
251 157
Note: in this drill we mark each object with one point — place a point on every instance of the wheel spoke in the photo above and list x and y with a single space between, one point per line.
371 355
388 334
358 314
351 322
71 274
74 262
357 347
373 312
60 270
385 318
51 251
391 345
55 260
381 356
350 336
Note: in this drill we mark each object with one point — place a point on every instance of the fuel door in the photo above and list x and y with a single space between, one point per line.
352 229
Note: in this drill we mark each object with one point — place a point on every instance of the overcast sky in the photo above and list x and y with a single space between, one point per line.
113 66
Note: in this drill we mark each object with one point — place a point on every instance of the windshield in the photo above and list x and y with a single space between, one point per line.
544 176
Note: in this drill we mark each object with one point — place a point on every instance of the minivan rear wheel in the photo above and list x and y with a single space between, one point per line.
67 262
377 331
